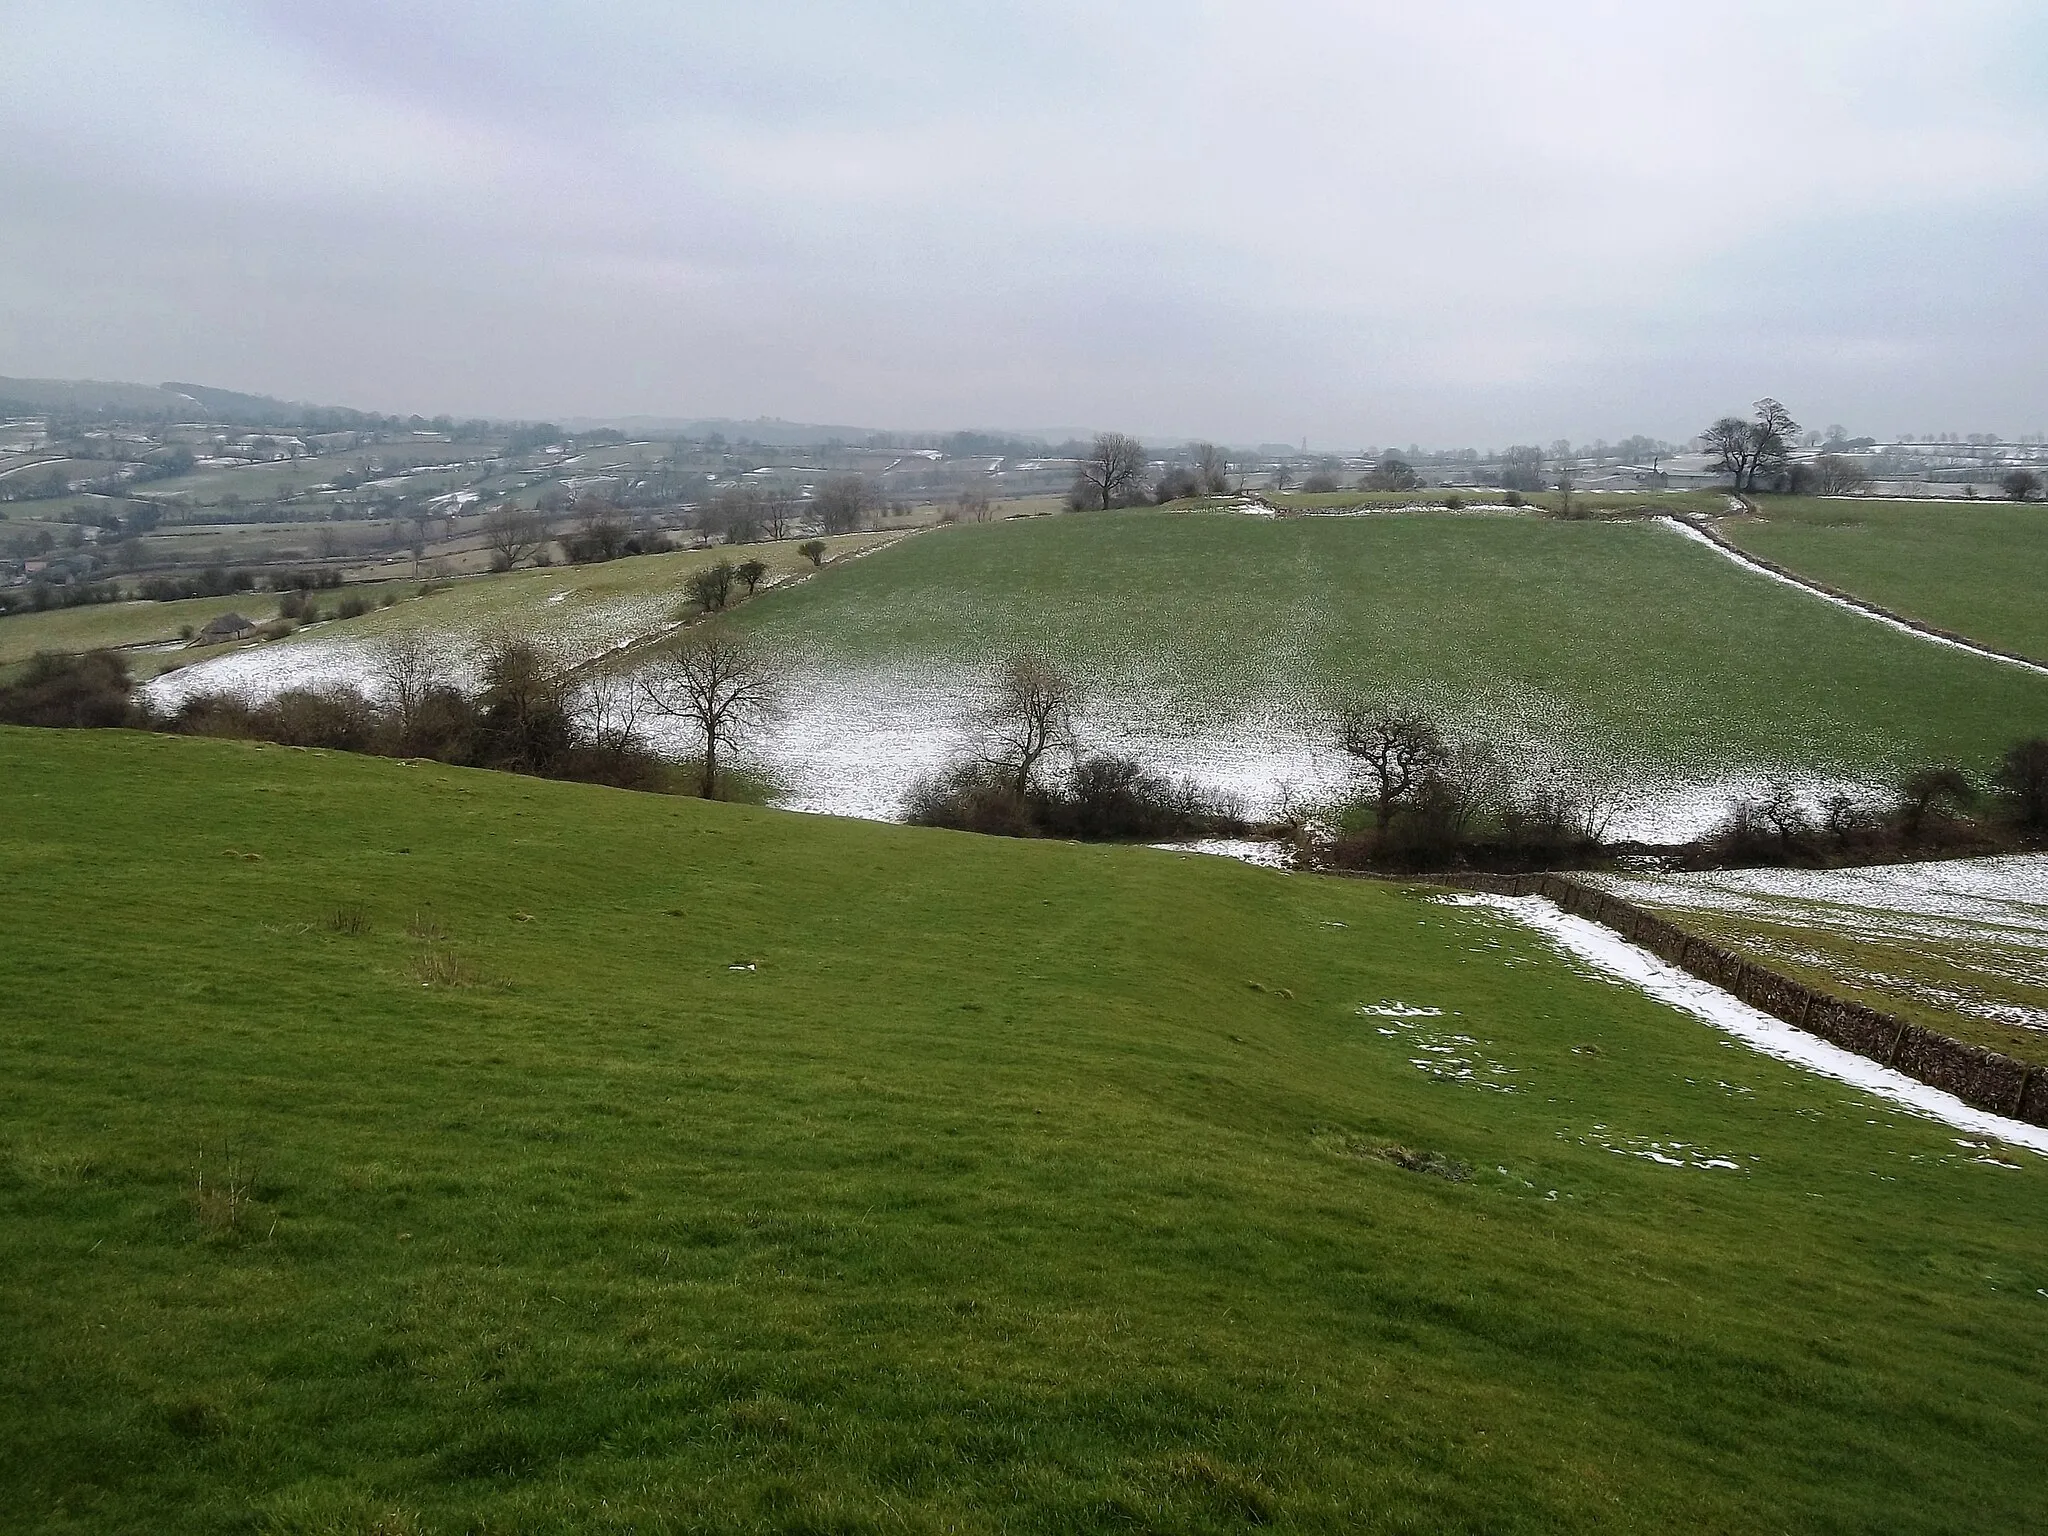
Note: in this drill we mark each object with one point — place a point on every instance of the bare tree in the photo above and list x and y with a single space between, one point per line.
1028 717
1390 474
1746 450
2021 484
610 707
514 534
601 533
1926 792
1398 748
1834 475
1113 469
407 669
720 685
1727 440
752 573
844 501
734 514
711 588
1212 468
1521 468
812 550
778 517
975 506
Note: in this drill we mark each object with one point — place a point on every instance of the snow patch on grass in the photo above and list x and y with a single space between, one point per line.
1612 958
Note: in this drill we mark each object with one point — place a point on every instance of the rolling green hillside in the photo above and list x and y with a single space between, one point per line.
1978 568
1624 641
390 1147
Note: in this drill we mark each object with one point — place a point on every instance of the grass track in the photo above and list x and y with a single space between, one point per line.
1978 568
1622 639
995 1198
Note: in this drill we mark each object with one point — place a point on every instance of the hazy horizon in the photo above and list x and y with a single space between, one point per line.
1359 224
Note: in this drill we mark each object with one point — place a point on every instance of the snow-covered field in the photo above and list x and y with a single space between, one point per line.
853 739
1967 936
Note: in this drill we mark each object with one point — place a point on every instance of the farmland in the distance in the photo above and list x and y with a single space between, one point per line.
1617 653
1979 568
574 613
417 1149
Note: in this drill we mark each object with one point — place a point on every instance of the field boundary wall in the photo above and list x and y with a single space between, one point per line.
1981 1078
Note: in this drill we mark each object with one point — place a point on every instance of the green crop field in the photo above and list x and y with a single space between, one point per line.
1977 568
1624 640
390 1147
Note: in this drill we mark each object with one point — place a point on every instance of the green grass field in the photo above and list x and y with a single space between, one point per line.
617 599
1622 639
393 1148
115 626
1975 567
575 612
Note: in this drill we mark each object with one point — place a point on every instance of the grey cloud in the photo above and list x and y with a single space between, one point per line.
1468 221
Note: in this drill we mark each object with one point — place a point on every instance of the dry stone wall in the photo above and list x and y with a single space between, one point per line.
1984 1079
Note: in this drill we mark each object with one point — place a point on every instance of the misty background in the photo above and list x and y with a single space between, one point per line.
1341 222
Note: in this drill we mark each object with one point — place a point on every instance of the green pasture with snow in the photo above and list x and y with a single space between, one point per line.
386 1147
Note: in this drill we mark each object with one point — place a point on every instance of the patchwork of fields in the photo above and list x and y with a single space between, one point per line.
427 1149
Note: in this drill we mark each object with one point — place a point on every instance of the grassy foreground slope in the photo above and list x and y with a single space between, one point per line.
1978 568
995 1197
1624 640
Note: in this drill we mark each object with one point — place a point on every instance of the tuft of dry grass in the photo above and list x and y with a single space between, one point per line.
434 967
352 920
224 1198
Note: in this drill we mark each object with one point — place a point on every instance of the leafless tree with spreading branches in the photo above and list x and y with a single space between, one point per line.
1746 450
1212 469
1028 717
719 684
513 534
1398 749
1114 468
845 501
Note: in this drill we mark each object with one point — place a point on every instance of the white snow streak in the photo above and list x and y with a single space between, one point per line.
1736 557
1615 959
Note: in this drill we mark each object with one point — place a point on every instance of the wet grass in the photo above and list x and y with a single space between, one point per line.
1623 641
993 1197
1978 568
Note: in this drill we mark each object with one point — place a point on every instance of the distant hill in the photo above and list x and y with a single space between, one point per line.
94 397
770 430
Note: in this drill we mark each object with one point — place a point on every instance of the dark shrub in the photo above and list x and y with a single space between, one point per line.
70 691
217 714
339 717
2022 777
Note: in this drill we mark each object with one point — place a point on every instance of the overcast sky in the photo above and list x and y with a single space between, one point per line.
1468 221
